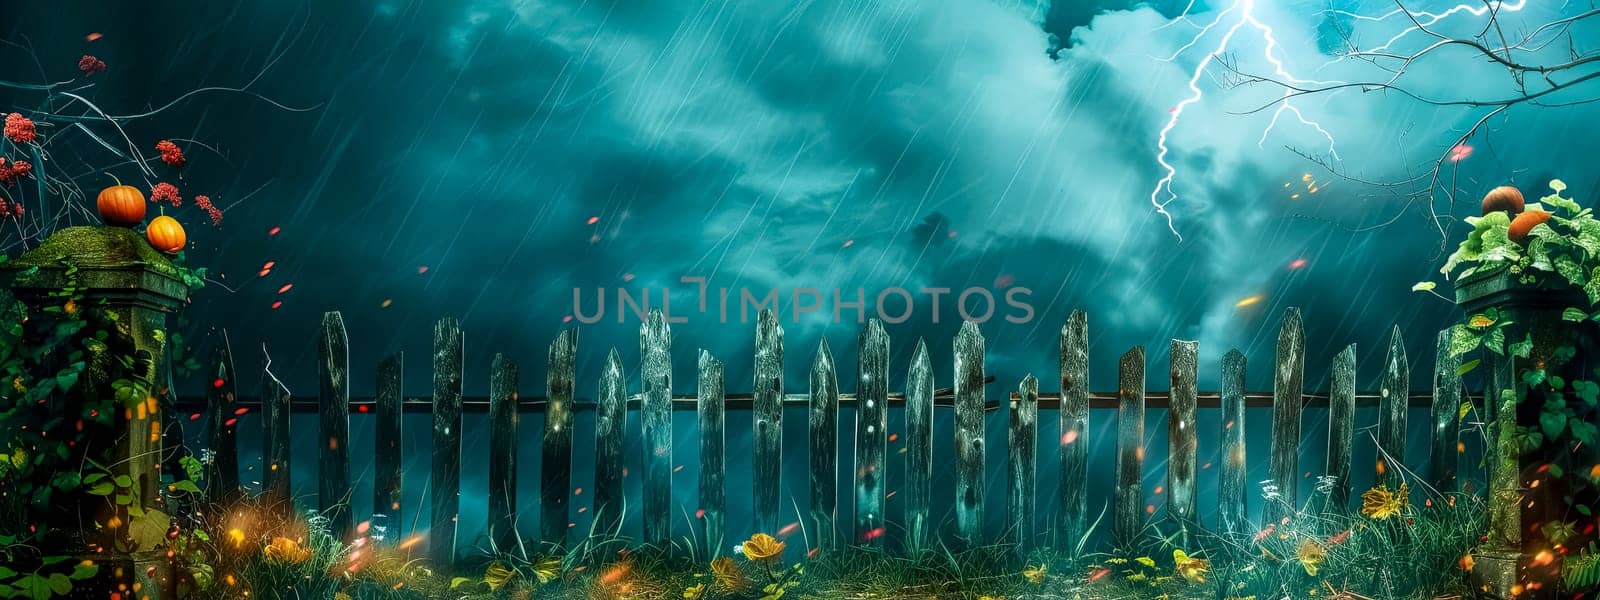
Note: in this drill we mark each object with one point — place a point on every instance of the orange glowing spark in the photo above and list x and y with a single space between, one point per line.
1297 263
593 220
93 36
412 541
422 269
1247 301
872 534
386 303
1069 437
274 231
849 243
1099 574
788 529
286 287
277 304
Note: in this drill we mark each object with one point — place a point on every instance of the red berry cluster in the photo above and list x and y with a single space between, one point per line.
19 129
170 153
90 65
10 209
16 170
166 191
204 202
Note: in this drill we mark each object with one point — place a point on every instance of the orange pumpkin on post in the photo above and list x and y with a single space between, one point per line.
121 205
166 234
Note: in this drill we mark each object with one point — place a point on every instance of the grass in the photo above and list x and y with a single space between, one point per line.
1415 553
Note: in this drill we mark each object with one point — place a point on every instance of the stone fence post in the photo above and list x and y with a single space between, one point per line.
122 281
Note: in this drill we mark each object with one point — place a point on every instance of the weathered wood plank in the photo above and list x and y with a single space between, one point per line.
1022 436
872 439
1127 519
387 492
1232 507
1072 517
275 439
1288 390
969 434
555 468
713 453
823 427
1341 426
1446 416
503 425
1181 442
445 482
655 350
919 449
610 428
333 469
222 485
767 421
1392 393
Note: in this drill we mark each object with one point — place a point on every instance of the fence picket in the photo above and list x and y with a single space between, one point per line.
1181 443
1446 416
823 424
503 425
389 459
1127 520
1074 415
919 448
1341 425
275 454
333 469
1288 394
223 484
872 438
1392 404
655 350
713 453
767 420
1232 508
555 470
969 434
610 427
1023 440
446 478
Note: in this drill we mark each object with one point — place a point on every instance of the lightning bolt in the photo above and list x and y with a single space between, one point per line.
1243 13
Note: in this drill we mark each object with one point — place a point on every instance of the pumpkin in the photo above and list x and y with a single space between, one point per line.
1506 198
121 205
1524 223
166 234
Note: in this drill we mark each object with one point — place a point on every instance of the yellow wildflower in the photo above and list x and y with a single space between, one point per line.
497 575
728 576
70 307
694 592
762 547
237 537
1380 503
1146 561
282 550
1466 563
1311 555
1034 575
16 384
1191 568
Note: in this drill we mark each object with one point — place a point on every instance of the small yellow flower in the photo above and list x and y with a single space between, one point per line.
1311 555
729 578
70 307
1466 563
1191 568
1035 575
16 384
237 537
762 547
694 592
282 550
1380 503
1146 561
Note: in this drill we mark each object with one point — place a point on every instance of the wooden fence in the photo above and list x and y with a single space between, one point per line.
823 398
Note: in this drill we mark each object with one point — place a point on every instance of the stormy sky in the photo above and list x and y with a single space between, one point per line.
484 158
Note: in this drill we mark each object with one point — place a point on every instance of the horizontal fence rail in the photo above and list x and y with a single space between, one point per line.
964 454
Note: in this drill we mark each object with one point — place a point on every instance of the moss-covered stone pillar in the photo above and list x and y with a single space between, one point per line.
120 286
1515 560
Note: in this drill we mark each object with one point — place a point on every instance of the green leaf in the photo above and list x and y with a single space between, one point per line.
1552 423
185 485
1523 348
1583 431
85 570
1467 367
1533 377
60 584
1574 314
1463 339
1555 470
1424 286
1487 243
